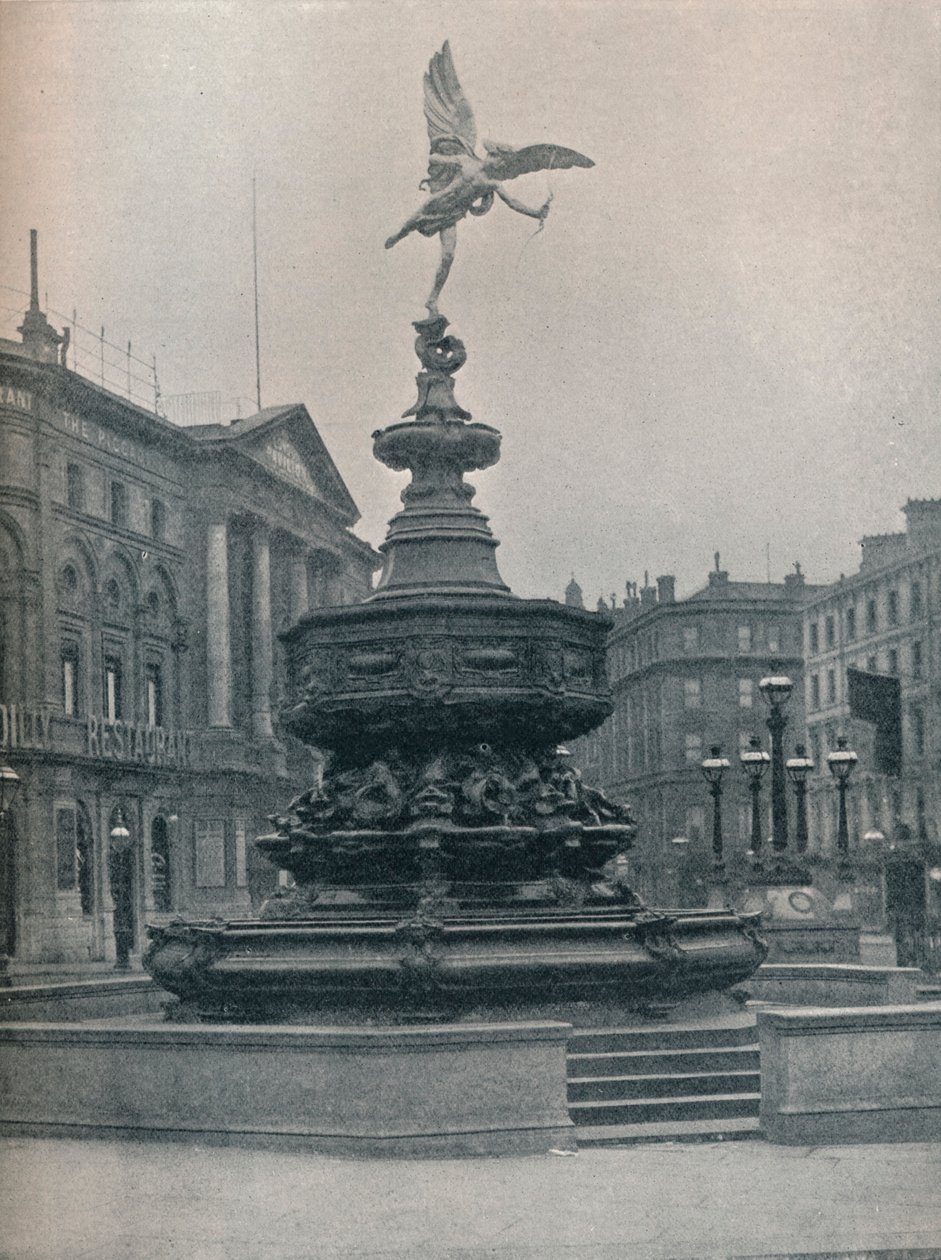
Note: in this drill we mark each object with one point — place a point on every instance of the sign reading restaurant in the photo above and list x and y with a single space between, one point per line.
131 741
28 726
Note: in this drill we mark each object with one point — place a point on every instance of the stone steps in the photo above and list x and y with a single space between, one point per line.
638 1088
670 1062
732 1129
696 1082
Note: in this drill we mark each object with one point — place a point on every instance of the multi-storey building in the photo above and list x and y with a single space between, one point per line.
145 572
685 676
884 620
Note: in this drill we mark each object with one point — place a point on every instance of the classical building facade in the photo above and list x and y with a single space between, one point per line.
685 676
145 572
884 622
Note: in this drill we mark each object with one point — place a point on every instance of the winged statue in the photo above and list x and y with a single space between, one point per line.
459 181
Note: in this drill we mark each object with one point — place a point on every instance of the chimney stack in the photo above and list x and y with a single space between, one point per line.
40 339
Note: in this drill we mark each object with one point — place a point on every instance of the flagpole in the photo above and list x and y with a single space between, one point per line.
255 270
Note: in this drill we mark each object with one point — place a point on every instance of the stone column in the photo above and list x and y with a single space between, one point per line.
300 594
218 638
262 666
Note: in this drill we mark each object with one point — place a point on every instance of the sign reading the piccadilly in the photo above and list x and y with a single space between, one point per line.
96 434
25 726
129 741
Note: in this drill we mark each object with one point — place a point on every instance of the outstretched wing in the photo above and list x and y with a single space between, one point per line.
446 109
502 162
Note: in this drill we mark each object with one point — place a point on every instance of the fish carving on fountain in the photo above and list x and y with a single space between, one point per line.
451 858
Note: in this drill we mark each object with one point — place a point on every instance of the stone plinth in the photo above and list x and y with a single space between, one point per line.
832 984
800 924
448 1090
869 1074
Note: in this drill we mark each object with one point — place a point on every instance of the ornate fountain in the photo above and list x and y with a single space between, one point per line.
452 861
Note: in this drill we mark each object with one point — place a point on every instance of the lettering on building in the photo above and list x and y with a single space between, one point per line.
11 396
133 742
285 459
96 435
25 726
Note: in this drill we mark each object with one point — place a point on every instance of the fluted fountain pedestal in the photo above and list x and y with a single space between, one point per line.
452 863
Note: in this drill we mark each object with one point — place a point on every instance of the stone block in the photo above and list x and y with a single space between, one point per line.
832 984
408 1091
869 1074
81 999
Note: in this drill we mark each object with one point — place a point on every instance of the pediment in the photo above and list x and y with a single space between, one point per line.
289 446
280 454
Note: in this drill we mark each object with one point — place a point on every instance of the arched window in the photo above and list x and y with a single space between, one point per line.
160 863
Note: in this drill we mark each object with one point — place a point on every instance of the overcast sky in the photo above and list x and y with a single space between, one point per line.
726 338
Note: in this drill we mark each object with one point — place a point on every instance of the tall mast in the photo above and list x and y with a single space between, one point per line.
255 268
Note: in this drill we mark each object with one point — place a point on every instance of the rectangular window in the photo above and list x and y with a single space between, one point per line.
209 835
692 693
872 615
241 853
111 699
746 693
893 661
119 504
75 487
815 691
851 623
918 730
815 745
872 664
154 696
916 601
774 639
158 520
829 629
831 686
744 638
690 640
693 748
65 848
695 822
69 668
918 663
814 638
893 608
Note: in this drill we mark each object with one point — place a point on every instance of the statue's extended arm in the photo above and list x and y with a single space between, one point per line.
518 206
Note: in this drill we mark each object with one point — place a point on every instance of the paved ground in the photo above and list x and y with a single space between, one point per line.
93 1200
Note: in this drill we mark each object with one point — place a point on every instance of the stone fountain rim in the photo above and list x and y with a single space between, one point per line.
407 604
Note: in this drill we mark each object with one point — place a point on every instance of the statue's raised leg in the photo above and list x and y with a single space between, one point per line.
448 238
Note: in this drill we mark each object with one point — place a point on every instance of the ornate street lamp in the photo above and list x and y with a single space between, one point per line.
798 768
841 762
120 839
9 786
713 768
755 762
776 689
119 835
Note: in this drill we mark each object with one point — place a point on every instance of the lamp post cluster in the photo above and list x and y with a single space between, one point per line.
776 689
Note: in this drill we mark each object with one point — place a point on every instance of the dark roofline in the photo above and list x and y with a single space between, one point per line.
146 426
